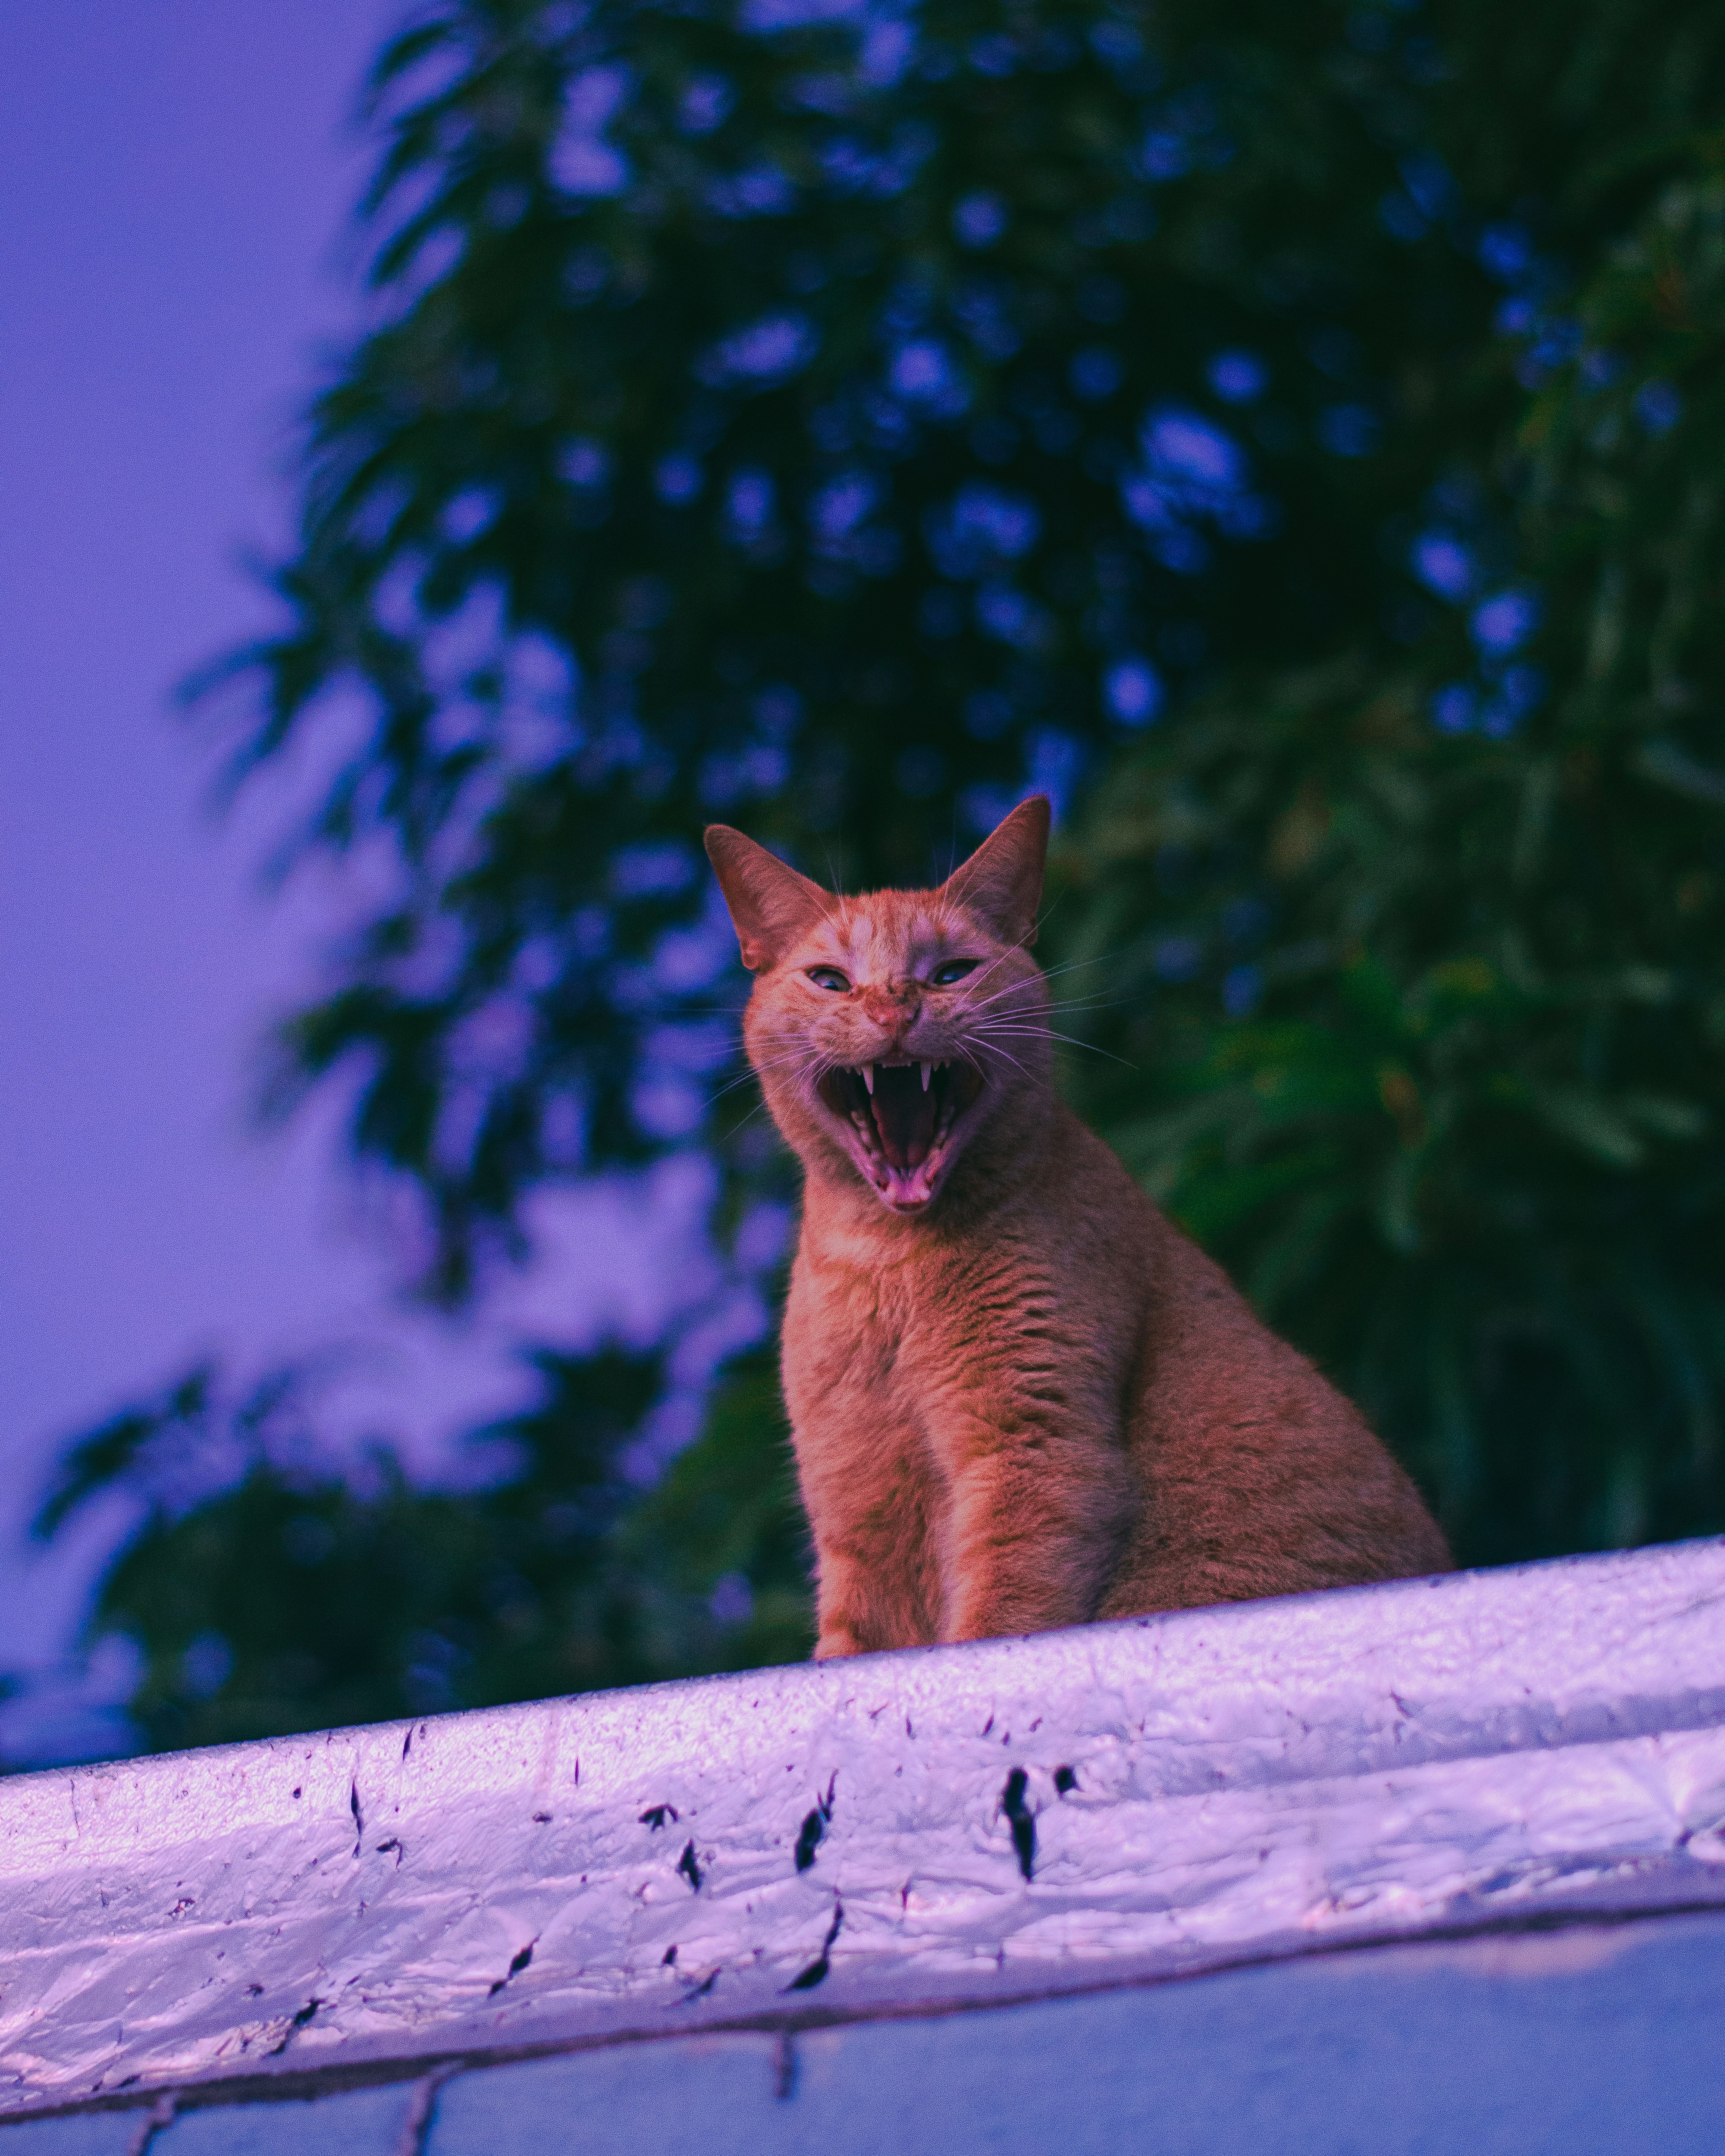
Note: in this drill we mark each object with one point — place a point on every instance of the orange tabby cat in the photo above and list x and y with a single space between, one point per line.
1020 1397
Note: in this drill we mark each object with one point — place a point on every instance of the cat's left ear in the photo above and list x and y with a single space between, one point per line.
771 907
1002 881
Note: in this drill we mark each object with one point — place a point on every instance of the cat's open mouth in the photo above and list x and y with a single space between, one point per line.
900 1119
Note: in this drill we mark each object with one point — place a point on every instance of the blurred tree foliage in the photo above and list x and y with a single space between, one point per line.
1460 1136
1291 436
829 427
269 1593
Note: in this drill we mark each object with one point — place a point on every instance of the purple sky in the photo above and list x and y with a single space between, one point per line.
175 175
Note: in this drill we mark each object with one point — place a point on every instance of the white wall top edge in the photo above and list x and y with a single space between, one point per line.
1248 1781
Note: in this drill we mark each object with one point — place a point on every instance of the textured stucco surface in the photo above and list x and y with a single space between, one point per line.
1491 1749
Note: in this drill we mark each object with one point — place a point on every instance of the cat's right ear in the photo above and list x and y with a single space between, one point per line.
771 907
1002 881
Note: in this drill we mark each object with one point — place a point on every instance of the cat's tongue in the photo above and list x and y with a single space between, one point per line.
904 1112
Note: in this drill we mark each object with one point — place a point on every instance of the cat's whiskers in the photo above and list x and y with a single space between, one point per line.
1044 972
1079 1004
801 1054
755 1069
815 1064
1051 973
990 1048
1019 1019
730 1085
1049 1033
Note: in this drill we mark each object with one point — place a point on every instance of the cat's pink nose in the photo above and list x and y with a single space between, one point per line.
892 1004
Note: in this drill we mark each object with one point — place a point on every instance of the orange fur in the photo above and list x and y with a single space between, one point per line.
1020 1397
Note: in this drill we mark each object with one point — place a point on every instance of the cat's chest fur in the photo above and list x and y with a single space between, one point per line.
873 1335
901 1367
904 1334
860 1347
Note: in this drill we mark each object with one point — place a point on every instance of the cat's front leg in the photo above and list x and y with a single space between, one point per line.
839 1607
873 1568
1037 1517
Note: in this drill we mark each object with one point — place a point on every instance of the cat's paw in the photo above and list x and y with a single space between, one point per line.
836 1640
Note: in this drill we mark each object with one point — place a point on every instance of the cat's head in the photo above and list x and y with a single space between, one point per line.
889 1031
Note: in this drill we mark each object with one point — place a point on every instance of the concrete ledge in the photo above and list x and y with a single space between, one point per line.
954 1826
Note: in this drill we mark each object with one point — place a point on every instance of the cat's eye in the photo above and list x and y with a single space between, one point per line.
953 970
830 977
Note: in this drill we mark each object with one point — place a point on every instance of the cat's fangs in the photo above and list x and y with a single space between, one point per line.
865 1071
897 1129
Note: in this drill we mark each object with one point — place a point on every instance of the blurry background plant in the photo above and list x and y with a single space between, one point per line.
1292 438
